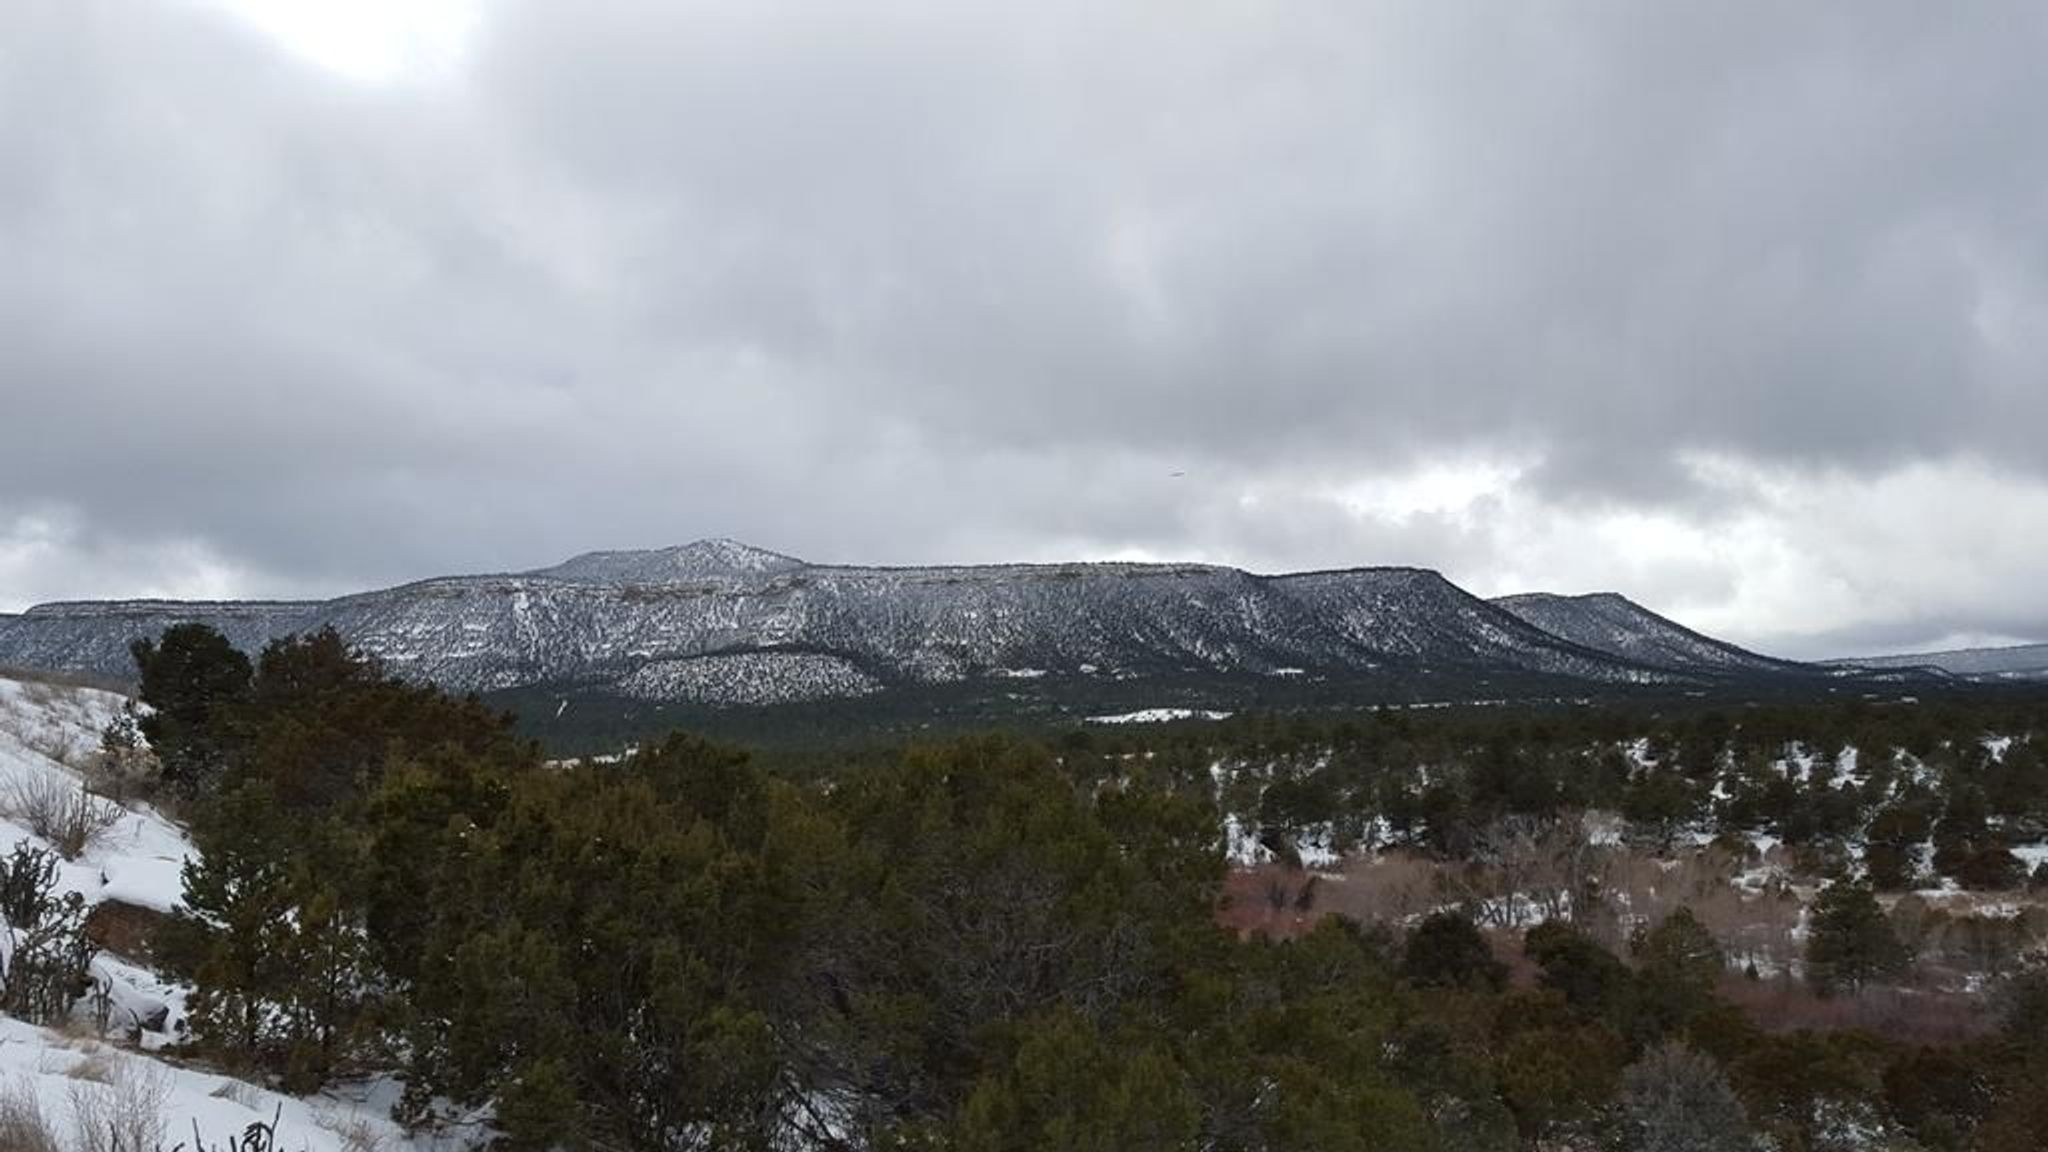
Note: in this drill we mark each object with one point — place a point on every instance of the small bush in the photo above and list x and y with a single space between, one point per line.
124 768
70 818
1676 1100
48 963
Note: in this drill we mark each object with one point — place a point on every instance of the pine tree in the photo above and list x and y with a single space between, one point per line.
193 680
1678 964
1850 942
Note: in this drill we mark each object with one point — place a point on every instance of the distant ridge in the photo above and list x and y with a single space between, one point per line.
1611 623
2013 662
718 622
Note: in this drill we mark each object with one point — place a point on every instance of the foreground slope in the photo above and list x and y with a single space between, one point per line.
69 1079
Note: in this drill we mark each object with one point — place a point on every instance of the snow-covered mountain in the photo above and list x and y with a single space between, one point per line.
2017 662
721 622
1620 627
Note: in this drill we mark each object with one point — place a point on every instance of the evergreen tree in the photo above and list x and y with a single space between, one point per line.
1850 941
193 680
1593 981
1678 964
1447 950
1676 1100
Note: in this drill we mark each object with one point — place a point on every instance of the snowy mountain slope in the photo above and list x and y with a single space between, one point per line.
93 636
1614 624
647 624
2018 662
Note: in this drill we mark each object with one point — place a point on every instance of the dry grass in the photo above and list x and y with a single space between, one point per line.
123 1115
44 677
23 1126
355 1133
71 819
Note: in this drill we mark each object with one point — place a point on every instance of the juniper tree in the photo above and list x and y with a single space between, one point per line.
1676 1100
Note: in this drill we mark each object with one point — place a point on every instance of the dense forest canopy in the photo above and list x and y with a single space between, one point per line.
1118 939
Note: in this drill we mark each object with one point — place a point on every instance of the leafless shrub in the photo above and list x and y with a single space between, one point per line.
23 1127
1527 869
1906 1015
55 745
355 1133
124 1115
1385 889
70 818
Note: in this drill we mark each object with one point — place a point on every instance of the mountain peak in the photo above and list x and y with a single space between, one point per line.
715 558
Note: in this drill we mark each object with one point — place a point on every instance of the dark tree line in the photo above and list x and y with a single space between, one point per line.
983 944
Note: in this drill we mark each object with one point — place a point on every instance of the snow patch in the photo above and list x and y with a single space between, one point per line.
1159 716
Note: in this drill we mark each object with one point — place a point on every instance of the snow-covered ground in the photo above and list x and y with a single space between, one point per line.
1159 716
74 1080
69 1075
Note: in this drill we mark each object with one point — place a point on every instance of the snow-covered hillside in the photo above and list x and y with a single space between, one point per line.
638 623
71 1075
45 730
1618 626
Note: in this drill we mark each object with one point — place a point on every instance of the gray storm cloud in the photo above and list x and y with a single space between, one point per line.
1731 308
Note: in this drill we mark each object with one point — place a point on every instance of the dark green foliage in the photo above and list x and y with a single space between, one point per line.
1892 842
1850 942
28 885
613 935
1555 1068
1678 964
975 886
1938 1095
1593 981
1963 836
1446 950
979 944
304 916
1993 869
1806 1090
192 679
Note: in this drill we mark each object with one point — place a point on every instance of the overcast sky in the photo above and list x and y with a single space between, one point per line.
1739 310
